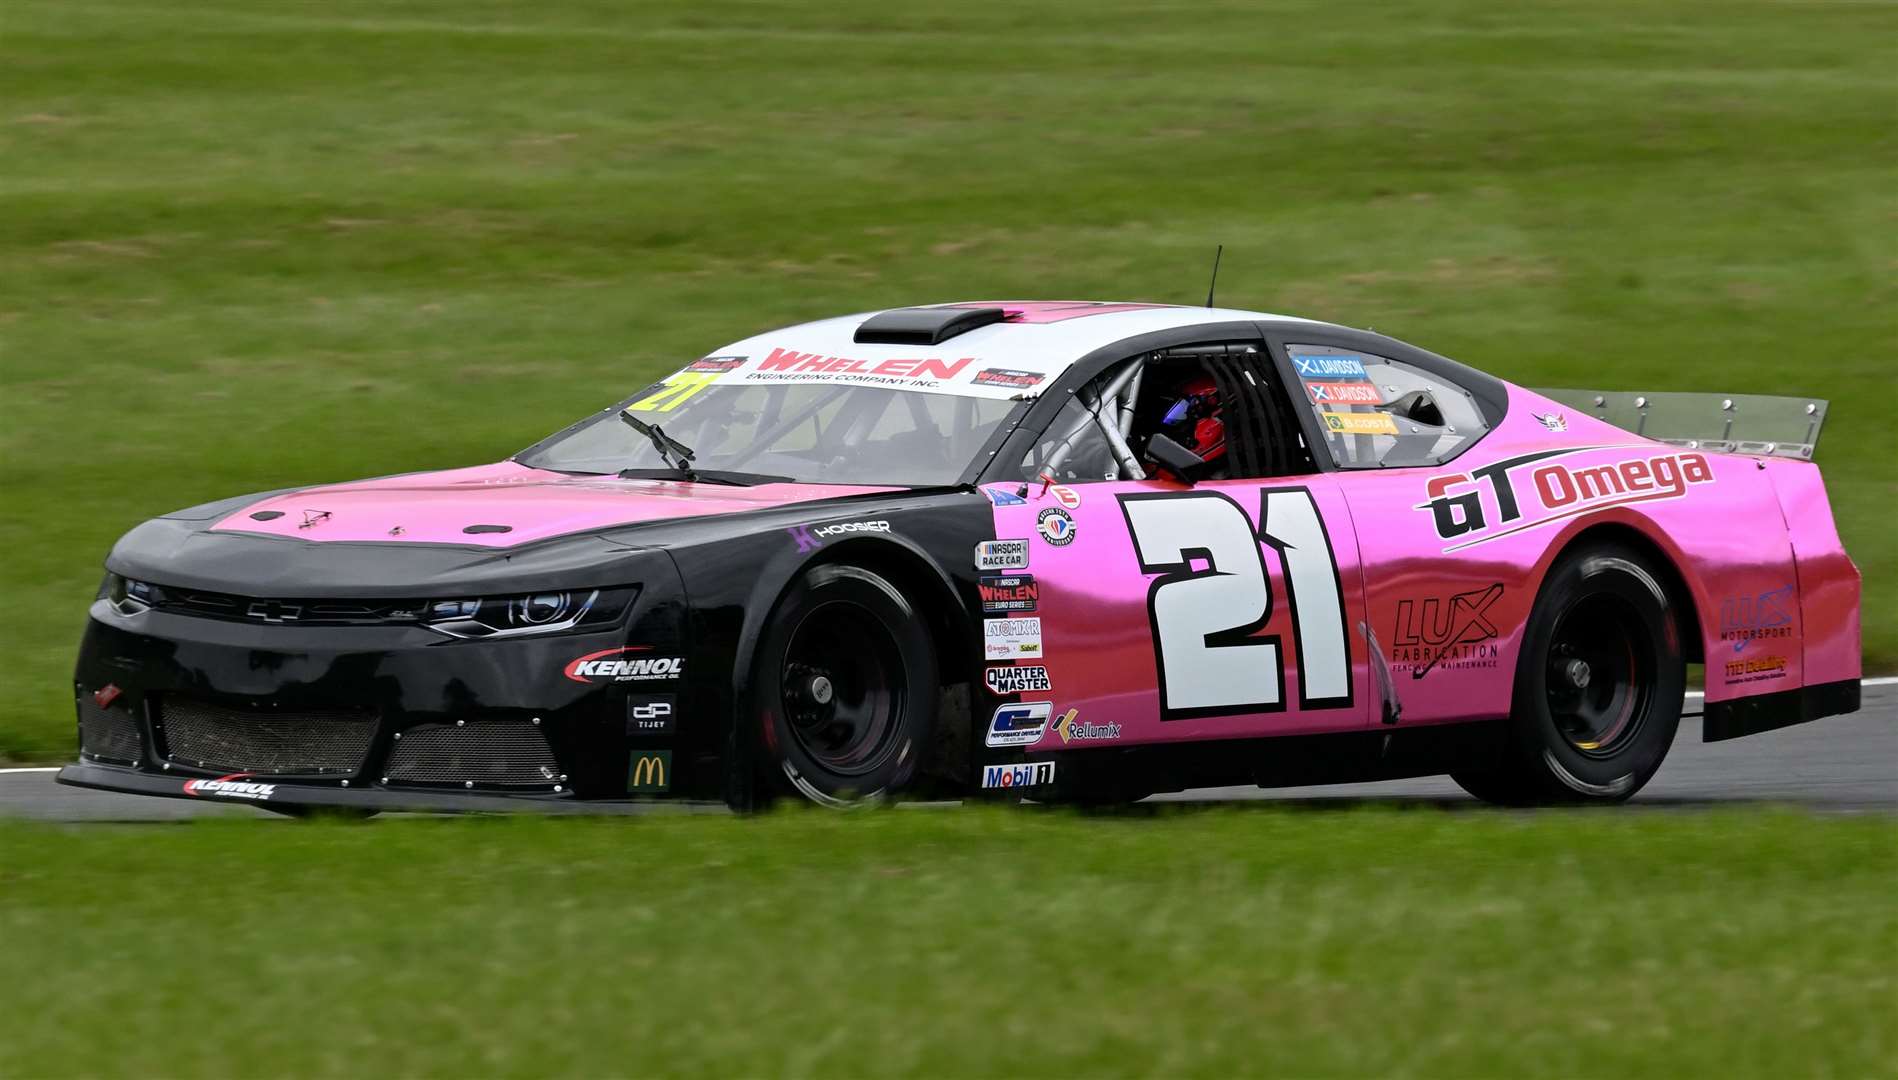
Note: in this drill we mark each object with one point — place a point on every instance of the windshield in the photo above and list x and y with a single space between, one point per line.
817 434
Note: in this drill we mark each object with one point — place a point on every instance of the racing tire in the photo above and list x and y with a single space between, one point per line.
1598 689
844 689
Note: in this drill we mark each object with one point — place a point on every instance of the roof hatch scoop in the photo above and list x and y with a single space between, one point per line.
924 325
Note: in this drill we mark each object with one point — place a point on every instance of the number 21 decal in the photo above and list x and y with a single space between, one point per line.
1204 617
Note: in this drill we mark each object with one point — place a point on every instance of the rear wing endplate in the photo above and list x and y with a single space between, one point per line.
1729 423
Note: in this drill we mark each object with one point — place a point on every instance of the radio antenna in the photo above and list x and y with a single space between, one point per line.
1214 284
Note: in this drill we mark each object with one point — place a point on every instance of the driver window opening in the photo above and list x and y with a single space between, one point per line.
1203 412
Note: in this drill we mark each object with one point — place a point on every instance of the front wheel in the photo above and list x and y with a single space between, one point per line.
1598 686
844 688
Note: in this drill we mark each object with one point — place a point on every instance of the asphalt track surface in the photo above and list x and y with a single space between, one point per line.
1838 764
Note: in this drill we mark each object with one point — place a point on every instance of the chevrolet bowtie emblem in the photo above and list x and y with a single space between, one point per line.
274 611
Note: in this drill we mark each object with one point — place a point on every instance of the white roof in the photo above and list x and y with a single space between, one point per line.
1022 355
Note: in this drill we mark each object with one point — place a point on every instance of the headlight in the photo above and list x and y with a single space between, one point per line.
128 596
529 613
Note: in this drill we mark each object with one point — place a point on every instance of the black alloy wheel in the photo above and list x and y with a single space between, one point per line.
1599 685
846 686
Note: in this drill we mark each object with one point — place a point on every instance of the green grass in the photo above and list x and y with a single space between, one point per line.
250 244
965 943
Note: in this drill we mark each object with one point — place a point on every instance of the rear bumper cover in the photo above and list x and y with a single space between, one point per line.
1765 712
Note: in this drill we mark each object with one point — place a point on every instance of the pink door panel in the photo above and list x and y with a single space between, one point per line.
1232 609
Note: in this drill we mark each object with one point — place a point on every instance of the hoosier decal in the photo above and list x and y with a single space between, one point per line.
1461 504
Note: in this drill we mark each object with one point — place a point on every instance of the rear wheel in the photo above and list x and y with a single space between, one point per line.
845 688
1598 686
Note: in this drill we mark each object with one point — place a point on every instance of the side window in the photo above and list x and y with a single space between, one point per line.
1375 412
1219 404
1073 448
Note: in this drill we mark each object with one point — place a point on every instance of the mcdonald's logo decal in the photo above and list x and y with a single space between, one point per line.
651 771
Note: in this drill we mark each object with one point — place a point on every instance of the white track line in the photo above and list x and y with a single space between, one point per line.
53 768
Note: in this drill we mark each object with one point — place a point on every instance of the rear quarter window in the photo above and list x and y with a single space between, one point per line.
1374 412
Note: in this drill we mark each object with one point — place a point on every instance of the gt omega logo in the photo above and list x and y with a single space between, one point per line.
595 667
1458 509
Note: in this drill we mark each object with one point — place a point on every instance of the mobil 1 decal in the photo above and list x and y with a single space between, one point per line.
1212 594
1510 496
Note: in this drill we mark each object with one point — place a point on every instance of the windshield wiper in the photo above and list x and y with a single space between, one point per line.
709 476
667 446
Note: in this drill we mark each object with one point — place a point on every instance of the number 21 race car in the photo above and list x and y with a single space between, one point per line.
1069 551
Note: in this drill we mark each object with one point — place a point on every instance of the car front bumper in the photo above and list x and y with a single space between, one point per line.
381 717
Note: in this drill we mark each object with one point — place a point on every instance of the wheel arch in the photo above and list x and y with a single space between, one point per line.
928 588
1667 560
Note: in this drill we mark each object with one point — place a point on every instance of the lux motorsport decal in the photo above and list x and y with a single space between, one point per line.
1461 511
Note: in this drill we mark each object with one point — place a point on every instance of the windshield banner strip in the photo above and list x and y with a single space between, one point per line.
965 376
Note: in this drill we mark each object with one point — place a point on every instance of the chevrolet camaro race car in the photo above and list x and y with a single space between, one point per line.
1066 551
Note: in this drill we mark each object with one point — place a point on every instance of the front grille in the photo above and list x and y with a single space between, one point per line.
505 753
298 612
105 733
282 741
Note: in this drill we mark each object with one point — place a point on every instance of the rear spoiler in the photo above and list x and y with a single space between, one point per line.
1729 423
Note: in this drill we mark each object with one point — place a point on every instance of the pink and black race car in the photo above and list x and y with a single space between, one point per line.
1073 551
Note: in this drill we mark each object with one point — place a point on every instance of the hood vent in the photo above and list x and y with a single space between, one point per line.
924 325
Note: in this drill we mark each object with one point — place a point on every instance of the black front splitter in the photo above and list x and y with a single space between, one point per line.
132 782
